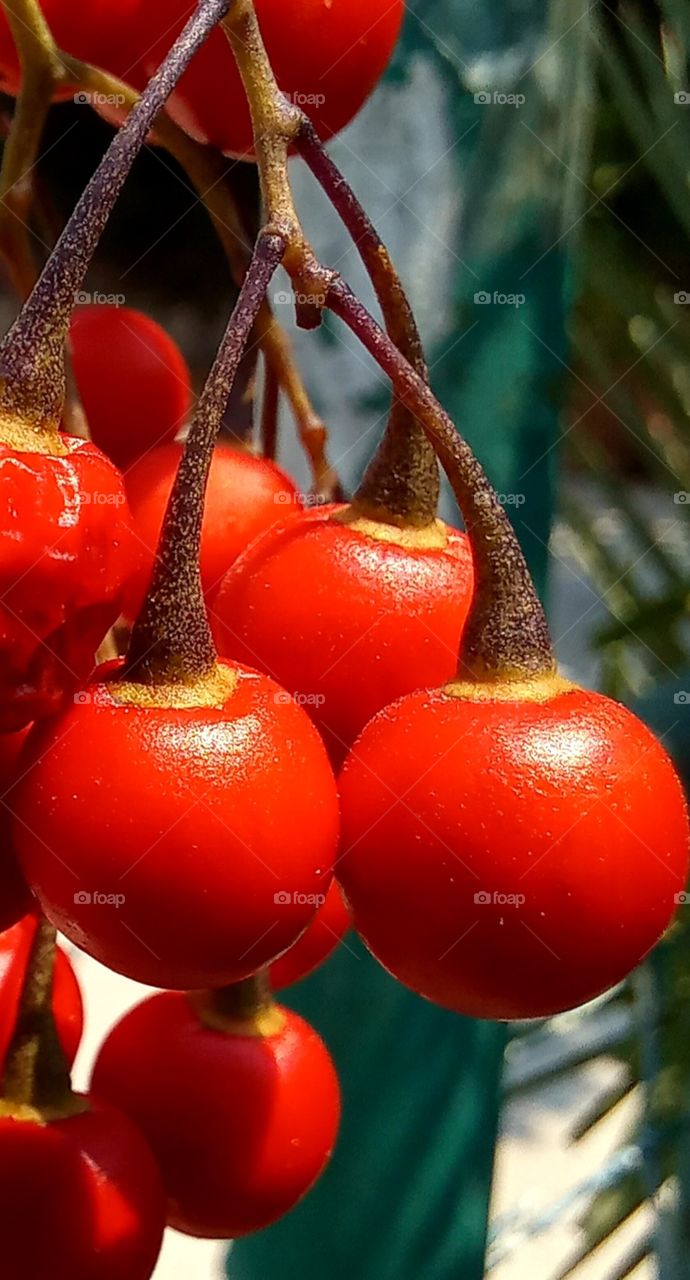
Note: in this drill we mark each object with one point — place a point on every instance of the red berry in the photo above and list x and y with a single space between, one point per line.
81 1198
133 380
324 934
511 858
98 32
66 552
68 1011
198 822
347 616
242 1122
327 56
245 496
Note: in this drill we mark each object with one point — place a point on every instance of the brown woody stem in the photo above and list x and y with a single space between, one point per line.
507 636
402 481
36 1074
32 364
171 641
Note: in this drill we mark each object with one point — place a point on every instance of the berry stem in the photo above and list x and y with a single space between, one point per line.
171 641
507 636
36 1074
207 171
32 353
402 481
41 72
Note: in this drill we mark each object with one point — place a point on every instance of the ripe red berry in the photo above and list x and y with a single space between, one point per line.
511 854
66 552
15 950
133 380
183 836
245 496
327 56
99 33
324 934
347 614
81 1197
268 1121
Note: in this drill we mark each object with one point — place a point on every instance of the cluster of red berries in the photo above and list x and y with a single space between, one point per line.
506 844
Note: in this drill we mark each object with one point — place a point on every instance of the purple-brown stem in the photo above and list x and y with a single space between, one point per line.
171 641
507 636
32 353
402 481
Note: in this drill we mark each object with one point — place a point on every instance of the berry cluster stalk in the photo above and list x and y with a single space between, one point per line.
32 364
507 636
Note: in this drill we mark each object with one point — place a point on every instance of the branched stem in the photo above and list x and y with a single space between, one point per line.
32 353
171 642
402 481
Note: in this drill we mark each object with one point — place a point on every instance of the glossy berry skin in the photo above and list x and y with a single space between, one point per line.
241 1124
324 934
327 55
245 496
99 33
533 859
68 1010
66 552
133 381
15 896
81 1199
346 621
200 821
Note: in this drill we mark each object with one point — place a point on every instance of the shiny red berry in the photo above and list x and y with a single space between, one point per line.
242 1117
80 1198
511 857
347 614
133 380
183 845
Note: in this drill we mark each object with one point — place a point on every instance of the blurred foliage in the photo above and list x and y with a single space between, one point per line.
625 520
